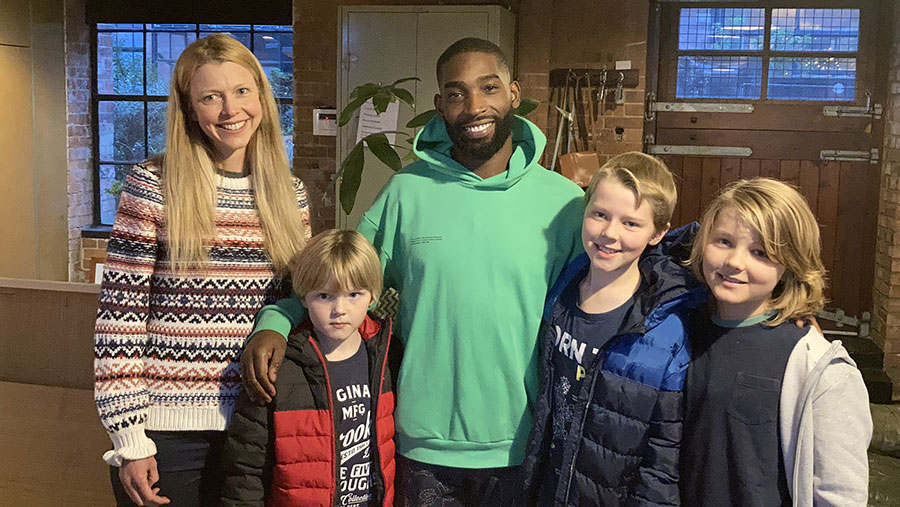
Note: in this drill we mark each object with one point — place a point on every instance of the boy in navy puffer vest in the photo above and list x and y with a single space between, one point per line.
607 424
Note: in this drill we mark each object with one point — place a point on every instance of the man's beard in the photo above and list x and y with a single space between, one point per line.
480 149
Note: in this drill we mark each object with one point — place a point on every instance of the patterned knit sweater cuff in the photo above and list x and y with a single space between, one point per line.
132 444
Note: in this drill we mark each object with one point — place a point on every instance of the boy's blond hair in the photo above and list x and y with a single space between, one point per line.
790 235
649 179
345 258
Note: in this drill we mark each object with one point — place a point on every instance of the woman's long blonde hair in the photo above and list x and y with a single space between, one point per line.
189 171
790 235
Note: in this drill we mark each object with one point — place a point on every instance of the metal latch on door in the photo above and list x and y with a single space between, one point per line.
870 156
869 110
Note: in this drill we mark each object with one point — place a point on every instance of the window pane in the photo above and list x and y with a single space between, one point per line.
163 49
812 78
120 63
120 26
244 38
156 128
274 51
273 28
723 77
172 27
721 29
225 28
121 129
815 29
109 190
286 116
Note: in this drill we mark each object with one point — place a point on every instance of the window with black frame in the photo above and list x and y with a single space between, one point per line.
800 54
133 68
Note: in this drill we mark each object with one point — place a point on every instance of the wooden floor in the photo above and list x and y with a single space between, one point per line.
51 443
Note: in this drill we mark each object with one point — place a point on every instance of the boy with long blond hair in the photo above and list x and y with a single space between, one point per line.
774 413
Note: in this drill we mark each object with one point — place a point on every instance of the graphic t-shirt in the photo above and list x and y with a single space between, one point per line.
352 405
578 337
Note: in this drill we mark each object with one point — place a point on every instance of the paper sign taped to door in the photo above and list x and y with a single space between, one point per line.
371 122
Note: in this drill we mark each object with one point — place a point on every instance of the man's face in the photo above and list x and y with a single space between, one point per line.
476 100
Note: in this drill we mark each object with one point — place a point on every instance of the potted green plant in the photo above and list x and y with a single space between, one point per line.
350 171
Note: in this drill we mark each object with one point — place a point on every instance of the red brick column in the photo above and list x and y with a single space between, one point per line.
886 293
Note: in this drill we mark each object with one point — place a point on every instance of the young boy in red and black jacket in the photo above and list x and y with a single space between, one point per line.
328 436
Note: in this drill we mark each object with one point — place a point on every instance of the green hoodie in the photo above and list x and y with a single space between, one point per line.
472 259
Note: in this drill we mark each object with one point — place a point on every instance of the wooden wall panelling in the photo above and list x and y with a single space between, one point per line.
749 168
674 164
711 171
692 178
846 276
731 170
770 169
809 182
47 337
52 441
826 211
790 172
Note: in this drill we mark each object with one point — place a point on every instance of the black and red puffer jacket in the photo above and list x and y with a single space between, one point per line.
284 454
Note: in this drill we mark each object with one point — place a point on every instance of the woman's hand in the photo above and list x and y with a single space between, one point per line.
138 477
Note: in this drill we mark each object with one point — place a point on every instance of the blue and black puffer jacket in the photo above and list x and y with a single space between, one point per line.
624 439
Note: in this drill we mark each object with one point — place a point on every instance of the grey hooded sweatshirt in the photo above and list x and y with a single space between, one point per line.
825 425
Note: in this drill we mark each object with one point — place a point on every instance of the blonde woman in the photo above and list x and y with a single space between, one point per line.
774 413
201 239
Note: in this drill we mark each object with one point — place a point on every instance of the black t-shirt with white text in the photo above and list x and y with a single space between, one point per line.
578 337
352 405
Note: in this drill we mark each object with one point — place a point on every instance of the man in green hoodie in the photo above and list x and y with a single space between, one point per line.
472 236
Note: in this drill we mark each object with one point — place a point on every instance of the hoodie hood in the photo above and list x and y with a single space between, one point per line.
666 284
671 283
433 144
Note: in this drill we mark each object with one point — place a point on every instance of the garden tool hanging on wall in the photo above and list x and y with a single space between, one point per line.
579 166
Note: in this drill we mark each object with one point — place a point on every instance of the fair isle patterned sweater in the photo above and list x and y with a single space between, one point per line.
166 345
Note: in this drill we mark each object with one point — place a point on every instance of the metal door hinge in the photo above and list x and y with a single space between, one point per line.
652 107
712 151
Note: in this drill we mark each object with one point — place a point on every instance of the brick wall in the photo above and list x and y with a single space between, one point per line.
78 105
552 34
596 34
886 293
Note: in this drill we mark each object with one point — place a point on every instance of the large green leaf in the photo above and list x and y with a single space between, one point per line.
526 106
381 100
404 80
420 119
351 108
364 90
405 96
351 175
382 149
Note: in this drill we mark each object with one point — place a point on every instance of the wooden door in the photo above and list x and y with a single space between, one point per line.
783 66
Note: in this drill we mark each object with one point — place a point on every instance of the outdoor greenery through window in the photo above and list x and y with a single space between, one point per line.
134 64
798 54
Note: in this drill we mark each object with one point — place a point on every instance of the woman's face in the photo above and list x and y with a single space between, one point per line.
225 103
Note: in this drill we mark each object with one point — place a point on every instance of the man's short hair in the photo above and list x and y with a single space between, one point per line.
471 45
